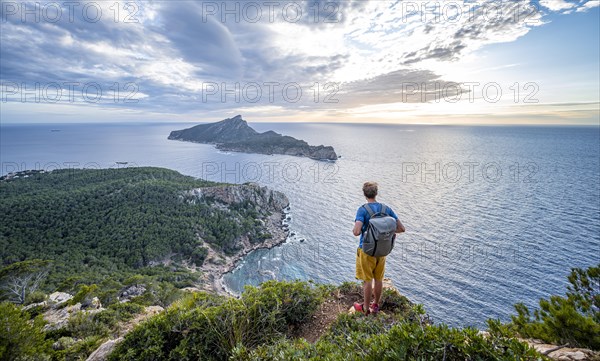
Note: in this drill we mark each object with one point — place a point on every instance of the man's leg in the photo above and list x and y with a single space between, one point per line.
377 291
378 276
367 291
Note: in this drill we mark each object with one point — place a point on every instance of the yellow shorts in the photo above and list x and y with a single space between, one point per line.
368 267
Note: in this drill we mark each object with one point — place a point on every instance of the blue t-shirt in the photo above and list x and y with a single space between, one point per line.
363 216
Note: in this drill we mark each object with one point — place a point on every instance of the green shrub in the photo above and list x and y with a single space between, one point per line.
84 295
35 297
125 311
574 320
20 338
159 293
83 324
351 287
295 300
209 327
81 349
360 339
346 324
199 255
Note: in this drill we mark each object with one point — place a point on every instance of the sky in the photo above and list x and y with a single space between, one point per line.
409 62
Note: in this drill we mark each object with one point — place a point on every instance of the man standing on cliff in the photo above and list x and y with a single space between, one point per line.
370 269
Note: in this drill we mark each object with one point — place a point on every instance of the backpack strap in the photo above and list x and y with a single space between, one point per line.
383 209
369 209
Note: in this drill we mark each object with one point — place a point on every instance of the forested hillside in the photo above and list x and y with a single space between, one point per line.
93 224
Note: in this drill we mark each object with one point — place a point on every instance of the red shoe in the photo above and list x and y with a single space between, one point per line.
374 308
358 307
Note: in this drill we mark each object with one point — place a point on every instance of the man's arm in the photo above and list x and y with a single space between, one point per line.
399 226
357 228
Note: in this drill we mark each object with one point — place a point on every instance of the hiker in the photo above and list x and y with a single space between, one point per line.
370 269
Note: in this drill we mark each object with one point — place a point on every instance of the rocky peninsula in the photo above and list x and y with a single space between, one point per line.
234 134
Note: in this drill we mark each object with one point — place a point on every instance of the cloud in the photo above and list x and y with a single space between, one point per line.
200 41
557 5
175 50
589 5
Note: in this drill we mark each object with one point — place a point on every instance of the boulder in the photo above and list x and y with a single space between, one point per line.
58 318
58 298
133 291
104 350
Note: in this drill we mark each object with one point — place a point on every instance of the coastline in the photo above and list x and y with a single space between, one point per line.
213 273
220 147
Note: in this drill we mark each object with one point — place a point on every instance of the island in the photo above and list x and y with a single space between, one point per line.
234 134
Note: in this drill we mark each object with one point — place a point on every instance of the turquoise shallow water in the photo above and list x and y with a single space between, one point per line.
494 215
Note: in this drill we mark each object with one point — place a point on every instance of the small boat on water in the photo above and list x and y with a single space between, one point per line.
122 163
55 130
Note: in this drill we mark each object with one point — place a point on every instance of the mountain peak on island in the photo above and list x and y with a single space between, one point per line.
234 134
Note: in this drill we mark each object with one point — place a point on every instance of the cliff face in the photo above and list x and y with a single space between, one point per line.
263 197
234 134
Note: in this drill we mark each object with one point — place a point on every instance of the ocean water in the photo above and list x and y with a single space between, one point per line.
494 215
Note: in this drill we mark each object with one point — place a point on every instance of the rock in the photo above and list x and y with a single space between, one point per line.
58 318
59 297
562 353
104 350
265 198
191 289
43 304
570 354
133 291
153 310
96 303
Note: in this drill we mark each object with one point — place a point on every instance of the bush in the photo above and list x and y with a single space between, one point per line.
209 327
351 287
125 311
358 338
84 295
159 293
20 338
574 320
35 297
199 255
81 349
84 324
294 300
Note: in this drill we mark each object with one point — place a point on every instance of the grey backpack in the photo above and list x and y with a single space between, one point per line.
378 239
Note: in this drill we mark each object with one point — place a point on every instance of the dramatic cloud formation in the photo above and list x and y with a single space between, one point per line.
284 57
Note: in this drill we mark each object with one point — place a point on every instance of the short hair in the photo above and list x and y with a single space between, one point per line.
370 189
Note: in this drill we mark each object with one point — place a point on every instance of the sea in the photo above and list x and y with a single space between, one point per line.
494 215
